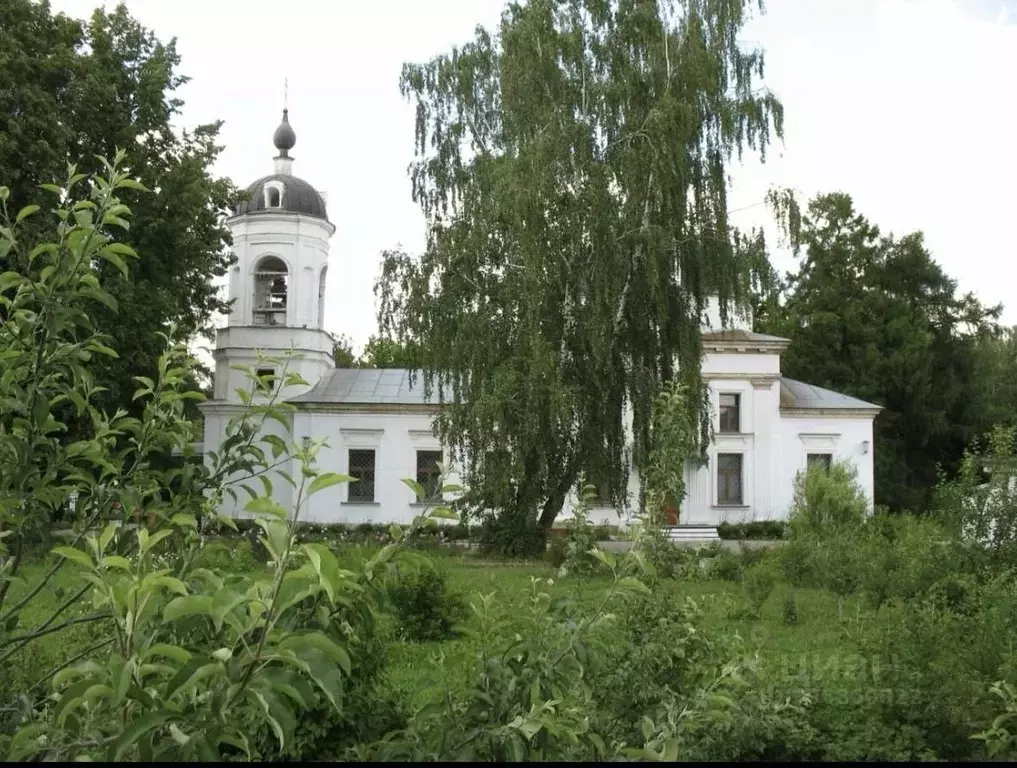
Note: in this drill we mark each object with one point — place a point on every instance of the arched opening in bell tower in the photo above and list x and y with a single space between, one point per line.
321 296
271 291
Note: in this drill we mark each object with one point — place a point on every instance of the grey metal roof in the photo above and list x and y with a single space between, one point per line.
368 386
797 394
298 197
391 386
741 335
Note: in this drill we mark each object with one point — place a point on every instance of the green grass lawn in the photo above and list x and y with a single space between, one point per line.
820 640
419 671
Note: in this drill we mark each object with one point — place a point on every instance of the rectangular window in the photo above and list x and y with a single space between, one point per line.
729 479
266 379
362 468
730 416
823 459
428 475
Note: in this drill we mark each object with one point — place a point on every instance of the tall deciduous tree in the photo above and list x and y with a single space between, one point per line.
81 89
572 169
876 317
382 352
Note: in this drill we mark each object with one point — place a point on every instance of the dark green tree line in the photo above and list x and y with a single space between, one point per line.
876 317
77 89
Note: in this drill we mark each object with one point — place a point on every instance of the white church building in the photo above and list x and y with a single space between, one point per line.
379 426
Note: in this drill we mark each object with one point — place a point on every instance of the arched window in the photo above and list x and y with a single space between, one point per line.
271 291
321 296
273 197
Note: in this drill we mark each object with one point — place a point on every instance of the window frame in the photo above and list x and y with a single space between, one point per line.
722 411
722 499
353 494
429 473
270 386
814 458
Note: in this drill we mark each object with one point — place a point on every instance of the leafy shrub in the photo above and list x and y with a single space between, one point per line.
557 546
752 531
189 663
515 535
370 710
530 697
580 537
758 584
663 678
827 499
797 561
426 607
233 556
790 610
726 566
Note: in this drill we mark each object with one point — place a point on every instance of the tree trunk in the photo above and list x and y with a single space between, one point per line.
554 503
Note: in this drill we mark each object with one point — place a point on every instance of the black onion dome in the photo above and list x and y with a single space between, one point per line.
298 197
284 138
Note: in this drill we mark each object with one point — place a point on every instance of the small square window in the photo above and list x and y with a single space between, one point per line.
266 379
428 474
730 413
822 459
729 479
362 469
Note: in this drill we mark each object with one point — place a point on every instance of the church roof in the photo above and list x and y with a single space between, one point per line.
369 386
392 386
298 197
799 395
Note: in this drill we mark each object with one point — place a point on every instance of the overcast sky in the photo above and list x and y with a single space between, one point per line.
910 106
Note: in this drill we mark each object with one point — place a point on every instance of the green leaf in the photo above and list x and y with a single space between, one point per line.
171 583
174 652
417 488
25 739
129 183
75 555
135 730
10 279
107 535
116 561
262 505
278 714
277 444
445 513
184 520
327 568
325 480
606 558
151 541
321 643
633 584
223 654
189 605
25 212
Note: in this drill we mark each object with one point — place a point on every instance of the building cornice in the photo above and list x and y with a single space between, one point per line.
420 409
828 413
744 347
275 216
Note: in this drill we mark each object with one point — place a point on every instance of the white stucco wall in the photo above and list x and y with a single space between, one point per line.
774 447
844 437
302 242
395 439
311 356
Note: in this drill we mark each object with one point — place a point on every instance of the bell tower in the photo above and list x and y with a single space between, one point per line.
281 236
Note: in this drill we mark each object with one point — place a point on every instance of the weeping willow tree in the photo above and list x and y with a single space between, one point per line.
572 170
